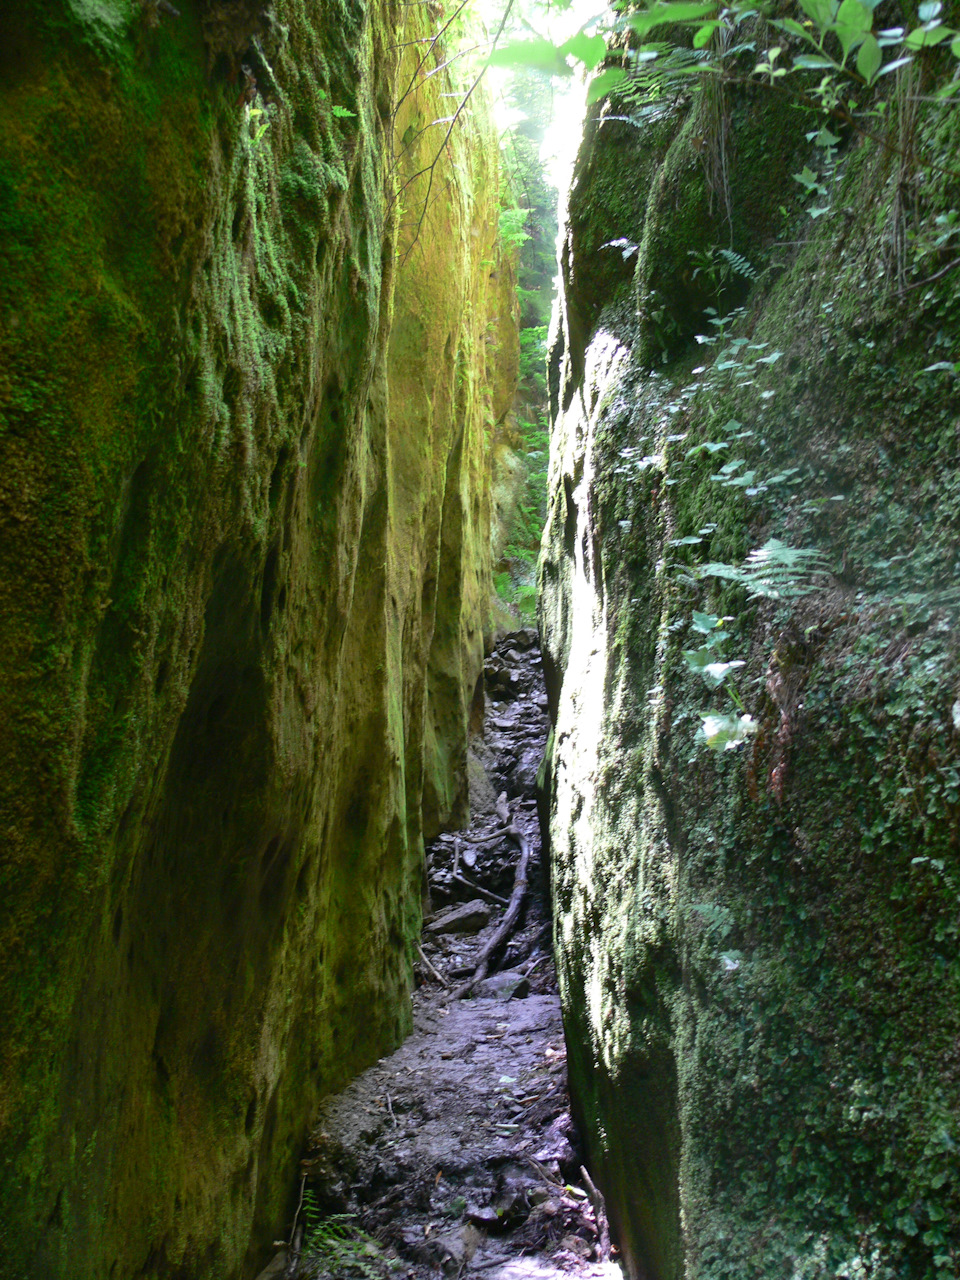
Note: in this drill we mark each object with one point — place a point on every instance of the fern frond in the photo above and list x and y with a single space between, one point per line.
774 571
739 264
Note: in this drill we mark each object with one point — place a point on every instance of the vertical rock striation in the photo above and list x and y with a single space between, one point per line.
244 574
758 948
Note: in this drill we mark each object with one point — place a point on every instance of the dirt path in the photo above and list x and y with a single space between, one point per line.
456 1155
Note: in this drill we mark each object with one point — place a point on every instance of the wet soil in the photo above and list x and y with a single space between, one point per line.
456 1155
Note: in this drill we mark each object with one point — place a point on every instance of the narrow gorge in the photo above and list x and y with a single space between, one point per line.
272 299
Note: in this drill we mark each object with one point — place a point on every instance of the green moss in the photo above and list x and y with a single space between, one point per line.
203 551
758 950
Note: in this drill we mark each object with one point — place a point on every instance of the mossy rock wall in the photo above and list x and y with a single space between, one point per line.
758 948
244 581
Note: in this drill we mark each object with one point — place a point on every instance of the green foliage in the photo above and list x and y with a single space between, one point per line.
720 730
831 61
719 266
334 1248
512 223
818 1078
532 508
773 571
533 360
516 583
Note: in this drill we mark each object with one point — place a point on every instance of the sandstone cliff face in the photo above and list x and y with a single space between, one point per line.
244 573
758 947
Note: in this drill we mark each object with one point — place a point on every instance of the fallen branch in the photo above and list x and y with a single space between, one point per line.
510 916
494 838
425 961
487 894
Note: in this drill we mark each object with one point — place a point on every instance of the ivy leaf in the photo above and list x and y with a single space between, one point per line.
869 58
541 54
795 28
852 24
708 446
590 50
697 659
726 732
809 61
929 10
659 15
714 673
822 12
893 66
702 36
705 622
807 178
925 37
703 663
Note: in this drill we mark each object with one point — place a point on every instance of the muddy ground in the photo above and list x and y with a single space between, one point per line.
456 1155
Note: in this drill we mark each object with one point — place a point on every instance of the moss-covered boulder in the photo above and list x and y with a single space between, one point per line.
758 947
244 574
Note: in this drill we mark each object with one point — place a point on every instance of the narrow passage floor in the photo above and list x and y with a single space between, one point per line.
456 1155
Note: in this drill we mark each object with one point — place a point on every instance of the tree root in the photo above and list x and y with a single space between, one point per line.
510 916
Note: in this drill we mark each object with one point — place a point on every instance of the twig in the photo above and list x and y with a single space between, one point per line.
296 1216
426 962
433 44
545 1174
487 894
599 1214
396 1124
494 838
533 963
507 924
456 856
291 1270
918 284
